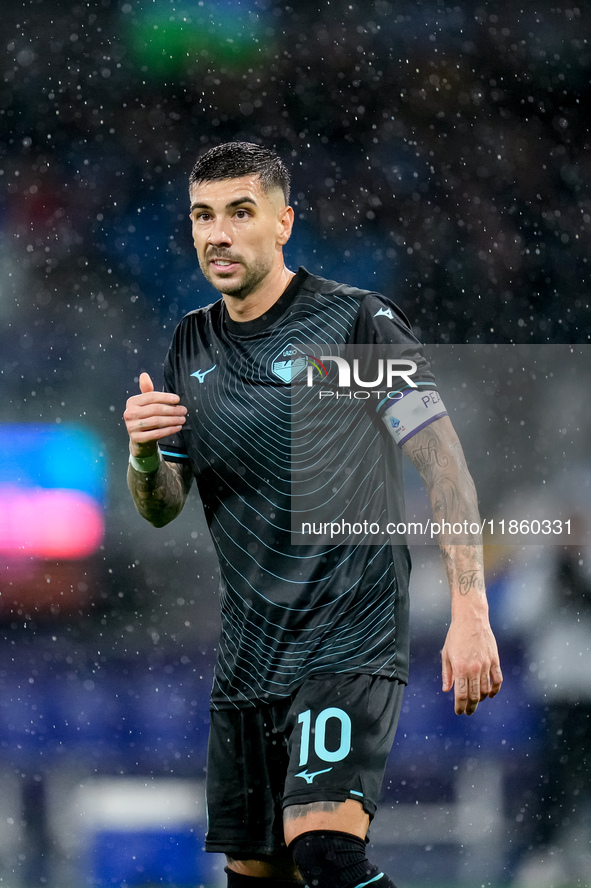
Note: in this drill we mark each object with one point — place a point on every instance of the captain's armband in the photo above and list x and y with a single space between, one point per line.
412 412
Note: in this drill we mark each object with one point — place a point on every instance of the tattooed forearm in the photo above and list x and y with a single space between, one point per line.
426 456
159 496
437 454
470 579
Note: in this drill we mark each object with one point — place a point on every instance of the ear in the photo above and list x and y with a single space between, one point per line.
284 225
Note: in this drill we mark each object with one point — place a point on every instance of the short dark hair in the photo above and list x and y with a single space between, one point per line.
234 159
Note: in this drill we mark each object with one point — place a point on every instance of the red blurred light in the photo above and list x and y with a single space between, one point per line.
51 524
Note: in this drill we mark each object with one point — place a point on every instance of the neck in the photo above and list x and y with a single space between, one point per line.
261 299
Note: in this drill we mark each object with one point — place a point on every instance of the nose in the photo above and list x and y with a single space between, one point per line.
218 234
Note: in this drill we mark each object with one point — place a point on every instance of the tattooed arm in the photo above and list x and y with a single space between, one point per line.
470 661
160 493
159 496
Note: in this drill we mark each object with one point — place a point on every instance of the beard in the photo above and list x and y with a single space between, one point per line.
244 283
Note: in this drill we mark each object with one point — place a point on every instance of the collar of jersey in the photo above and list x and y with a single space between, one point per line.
277 310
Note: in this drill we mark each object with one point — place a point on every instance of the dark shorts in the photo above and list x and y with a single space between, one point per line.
329 741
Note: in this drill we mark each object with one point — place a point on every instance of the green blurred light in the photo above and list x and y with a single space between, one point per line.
169 38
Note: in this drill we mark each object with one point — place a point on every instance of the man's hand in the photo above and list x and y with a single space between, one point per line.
470 661
159 495
151 416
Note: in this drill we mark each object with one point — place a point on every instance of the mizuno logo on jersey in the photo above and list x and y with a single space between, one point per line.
309 777
201 374
384 312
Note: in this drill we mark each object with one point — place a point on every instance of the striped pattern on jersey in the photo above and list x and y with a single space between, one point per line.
287 611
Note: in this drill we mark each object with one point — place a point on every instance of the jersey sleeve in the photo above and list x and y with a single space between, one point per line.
173 448
414 402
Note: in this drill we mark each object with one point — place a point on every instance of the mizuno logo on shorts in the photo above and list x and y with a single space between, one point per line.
309 777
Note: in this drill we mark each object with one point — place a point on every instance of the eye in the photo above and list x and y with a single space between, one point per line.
242 214
202 216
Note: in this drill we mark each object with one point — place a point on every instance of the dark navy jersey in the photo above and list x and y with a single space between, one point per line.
291 610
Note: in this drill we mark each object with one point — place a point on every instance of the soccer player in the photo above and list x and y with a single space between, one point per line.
313 655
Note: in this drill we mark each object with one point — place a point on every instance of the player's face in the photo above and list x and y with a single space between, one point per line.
238 231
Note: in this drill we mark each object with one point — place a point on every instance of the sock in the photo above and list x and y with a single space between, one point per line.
331 859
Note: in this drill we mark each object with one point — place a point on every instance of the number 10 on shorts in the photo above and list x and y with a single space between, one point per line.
319 732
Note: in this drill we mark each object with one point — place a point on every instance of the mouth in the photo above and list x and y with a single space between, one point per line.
223 266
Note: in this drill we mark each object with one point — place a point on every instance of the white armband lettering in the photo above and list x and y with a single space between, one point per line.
416 409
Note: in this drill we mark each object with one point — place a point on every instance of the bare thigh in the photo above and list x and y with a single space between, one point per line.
347 816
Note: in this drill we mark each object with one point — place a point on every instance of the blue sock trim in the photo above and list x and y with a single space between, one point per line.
375 879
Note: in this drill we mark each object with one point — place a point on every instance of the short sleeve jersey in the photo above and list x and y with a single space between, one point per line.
288 610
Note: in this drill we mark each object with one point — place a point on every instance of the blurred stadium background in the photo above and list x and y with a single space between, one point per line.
440 154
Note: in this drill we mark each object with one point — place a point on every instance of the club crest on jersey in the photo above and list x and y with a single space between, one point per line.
289 363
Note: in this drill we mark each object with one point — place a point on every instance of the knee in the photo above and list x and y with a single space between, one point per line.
260 874
275 870
335 859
